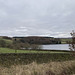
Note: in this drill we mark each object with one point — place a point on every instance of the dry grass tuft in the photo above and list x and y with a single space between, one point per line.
52 68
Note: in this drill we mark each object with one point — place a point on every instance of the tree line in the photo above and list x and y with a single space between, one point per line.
17 44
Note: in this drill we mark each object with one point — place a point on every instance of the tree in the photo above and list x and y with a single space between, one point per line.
15 45
72 43
35 46
26 45
23 46
2 43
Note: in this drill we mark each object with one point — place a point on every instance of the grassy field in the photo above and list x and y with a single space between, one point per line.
50 68
7 50
64 40
8 59
36 62
6 40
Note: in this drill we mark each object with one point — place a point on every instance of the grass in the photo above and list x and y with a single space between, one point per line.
51 68
7 50
8 59
7 40
64 40
33 62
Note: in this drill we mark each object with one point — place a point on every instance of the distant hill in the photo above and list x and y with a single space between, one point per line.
65 40
38 40
6 39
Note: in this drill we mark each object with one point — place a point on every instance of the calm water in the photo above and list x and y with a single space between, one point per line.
56 47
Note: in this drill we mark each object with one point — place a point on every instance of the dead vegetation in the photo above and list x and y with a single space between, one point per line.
51 68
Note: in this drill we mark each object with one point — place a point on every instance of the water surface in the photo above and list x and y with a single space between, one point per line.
56 47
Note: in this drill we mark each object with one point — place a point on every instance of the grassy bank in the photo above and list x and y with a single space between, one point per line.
7 50
26 58
50 68
34 62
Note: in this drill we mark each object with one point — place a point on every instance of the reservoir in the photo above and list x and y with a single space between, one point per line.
56 47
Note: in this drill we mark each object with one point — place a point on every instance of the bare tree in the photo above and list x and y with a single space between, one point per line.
72 44
35 47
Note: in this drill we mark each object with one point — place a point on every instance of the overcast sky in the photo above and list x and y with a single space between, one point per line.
37 17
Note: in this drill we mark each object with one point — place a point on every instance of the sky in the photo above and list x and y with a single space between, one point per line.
52 18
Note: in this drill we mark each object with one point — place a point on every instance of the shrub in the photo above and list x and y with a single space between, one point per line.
2 43
72 44
34 46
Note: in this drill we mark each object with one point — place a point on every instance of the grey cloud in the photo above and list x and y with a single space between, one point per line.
41 17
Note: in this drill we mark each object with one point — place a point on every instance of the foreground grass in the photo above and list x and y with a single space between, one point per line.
8 59
33 62
7 50
51 68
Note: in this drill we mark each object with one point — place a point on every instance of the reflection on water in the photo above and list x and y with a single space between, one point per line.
56 47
